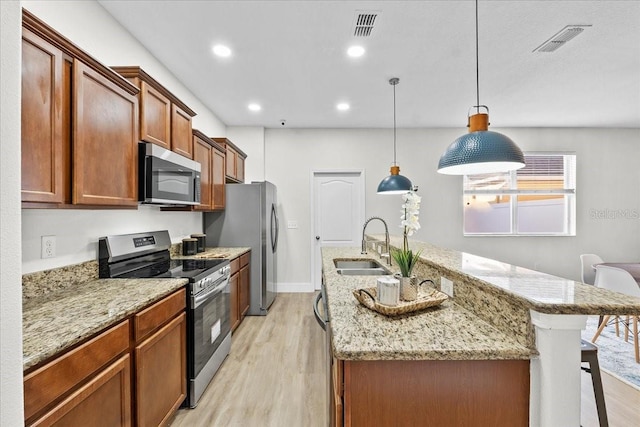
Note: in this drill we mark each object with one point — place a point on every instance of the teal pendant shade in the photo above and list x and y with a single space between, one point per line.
394 184
481 152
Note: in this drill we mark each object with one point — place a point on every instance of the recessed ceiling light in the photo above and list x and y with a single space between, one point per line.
254 107
221 50
343 106
355 51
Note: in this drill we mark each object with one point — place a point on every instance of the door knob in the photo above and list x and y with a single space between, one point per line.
317 237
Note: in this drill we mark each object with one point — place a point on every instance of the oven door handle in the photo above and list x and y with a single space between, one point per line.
199 299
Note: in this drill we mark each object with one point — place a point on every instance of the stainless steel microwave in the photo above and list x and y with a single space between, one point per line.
167 178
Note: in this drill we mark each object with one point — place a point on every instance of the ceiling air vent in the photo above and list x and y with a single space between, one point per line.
364 22
561 38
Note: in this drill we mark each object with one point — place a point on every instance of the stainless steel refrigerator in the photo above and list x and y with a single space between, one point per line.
250 219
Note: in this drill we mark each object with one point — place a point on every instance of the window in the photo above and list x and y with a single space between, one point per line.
537 200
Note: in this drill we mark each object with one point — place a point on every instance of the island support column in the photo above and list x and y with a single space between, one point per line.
555 374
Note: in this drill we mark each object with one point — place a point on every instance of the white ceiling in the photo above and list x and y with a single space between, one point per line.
290 56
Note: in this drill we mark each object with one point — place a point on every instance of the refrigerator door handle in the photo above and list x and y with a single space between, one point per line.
275 226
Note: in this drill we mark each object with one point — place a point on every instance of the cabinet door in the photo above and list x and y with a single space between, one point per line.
181 133
103 401
155 116
234 284
244 299
240 168
105 149
231 161
202 153
218 179
46 95
161 376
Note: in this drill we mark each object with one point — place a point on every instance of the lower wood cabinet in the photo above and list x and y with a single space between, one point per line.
105 400
161 378
240 288
118 378
444 392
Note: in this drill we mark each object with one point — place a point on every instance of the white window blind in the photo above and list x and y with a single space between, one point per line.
538 199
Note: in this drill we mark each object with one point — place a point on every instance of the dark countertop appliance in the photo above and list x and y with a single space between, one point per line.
146 255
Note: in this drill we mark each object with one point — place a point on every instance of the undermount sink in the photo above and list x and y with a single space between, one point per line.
364 267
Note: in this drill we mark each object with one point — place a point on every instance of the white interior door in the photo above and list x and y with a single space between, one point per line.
338 213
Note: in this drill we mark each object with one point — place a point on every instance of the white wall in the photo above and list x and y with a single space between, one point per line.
90 27
608 177
10 282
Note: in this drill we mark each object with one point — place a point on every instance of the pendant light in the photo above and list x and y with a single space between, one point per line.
481 150
394 183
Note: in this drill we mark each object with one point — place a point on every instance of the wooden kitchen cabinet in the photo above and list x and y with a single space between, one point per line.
46 121
444 392
218 177
164 119
133 373
78 138
105 140
245 286
71 386
211 158
234 293
234 163
240 288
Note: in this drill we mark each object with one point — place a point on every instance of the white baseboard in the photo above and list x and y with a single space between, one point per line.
295 287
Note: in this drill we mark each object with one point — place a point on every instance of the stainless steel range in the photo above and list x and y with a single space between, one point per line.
146 255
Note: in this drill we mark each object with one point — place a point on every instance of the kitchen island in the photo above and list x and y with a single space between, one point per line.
504 326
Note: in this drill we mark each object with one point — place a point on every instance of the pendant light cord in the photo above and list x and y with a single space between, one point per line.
477 66
394 123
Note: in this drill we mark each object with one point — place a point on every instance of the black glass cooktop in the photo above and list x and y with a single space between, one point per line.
176 268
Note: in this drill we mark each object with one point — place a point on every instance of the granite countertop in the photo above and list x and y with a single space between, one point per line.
63 307
537 291
218 252
446 332
60 319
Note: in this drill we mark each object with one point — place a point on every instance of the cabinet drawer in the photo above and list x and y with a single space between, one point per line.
235 265
244 259
154 316
46 384
105 400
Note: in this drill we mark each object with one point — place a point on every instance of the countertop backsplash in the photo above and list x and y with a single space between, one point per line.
44 282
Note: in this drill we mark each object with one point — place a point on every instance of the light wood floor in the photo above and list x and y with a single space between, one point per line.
275 376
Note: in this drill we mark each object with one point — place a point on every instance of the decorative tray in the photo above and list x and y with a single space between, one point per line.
426 298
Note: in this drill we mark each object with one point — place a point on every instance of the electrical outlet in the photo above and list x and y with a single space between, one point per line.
48 247
446 286
292 224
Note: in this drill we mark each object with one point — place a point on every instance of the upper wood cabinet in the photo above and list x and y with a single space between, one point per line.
235 157
105 147
218 177
202 154
164 119
79 125
46 97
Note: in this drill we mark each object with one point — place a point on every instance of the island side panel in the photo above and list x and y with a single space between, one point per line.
436 392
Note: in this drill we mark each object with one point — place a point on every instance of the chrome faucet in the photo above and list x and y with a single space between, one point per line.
386 238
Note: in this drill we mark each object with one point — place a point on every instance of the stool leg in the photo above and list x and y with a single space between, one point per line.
600 328
634 319
596 380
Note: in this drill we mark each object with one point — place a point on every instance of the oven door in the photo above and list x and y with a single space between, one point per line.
211 323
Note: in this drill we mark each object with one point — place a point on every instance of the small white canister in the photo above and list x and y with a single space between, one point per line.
388 291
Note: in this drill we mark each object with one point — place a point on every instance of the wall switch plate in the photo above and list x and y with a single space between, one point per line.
446 286
292 224
48 247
